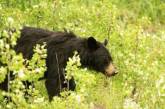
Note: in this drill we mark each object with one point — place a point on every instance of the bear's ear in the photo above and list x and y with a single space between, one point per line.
105 42
92 43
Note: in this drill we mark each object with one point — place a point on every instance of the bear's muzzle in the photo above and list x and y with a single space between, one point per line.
110 70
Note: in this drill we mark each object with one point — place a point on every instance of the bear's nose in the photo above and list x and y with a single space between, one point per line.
114 73
111 70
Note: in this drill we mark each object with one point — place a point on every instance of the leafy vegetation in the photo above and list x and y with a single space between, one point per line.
136 34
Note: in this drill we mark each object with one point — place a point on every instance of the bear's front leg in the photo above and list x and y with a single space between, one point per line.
72 84
53 87
69 84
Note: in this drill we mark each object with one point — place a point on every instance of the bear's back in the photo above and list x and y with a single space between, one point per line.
31 36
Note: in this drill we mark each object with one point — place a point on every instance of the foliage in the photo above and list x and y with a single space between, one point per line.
20 69
135 30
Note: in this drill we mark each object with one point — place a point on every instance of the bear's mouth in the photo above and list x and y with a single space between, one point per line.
110 70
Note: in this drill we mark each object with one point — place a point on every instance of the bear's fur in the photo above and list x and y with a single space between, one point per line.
61 46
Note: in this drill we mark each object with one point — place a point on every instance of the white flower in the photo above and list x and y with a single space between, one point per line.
78 97
10 20
39 100
129 103
37 70
85 69
21 74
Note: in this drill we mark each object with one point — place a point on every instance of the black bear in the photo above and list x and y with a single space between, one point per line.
61 46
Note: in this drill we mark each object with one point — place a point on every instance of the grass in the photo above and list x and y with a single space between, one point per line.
136 34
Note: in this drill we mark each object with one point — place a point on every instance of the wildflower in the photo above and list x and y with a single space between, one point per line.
10 20
21 74
37 70
129 103
78 98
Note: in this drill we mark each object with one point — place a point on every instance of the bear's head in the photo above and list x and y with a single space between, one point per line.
99 58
